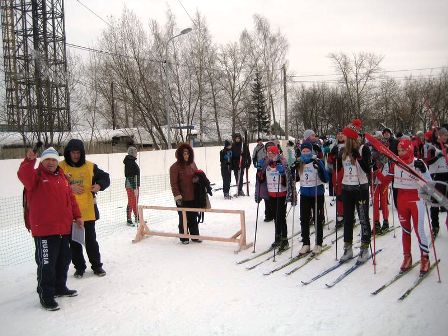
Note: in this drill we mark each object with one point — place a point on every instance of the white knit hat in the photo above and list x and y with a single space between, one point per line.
49 153
307 134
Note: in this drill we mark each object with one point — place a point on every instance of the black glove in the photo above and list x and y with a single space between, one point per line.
418 164
355 154
179 202
315 164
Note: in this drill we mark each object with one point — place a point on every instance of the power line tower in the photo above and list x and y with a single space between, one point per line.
35 63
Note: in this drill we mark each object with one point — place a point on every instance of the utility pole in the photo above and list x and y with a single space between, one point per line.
112 105
285 97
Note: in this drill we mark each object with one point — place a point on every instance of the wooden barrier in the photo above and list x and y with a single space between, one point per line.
239 237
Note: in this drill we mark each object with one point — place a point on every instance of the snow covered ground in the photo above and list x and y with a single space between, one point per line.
160 287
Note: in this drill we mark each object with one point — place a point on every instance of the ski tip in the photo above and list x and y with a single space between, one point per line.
304 283
328 285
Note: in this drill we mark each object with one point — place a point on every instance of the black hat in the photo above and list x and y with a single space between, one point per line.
227 143
387 130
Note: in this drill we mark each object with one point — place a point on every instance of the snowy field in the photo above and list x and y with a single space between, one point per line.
160 287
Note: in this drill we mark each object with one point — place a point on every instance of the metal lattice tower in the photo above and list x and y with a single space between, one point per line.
35 64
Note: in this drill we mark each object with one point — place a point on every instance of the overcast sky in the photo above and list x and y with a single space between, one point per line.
409 33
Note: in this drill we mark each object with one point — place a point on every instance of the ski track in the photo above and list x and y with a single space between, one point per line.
160 287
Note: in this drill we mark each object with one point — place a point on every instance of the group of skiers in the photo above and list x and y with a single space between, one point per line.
358 174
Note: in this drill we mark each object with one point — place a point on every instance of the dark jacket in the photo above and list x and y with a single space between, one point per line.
236 156
225 157
182 173
131 172
52 205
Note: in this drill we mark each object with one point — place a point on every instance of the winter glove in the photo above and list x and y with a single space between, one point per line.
315 164
260 164
418 164
355 154
280 169
179 202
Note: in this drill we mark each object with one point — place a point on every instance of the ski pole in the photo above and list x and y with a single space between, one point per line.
433 242
392 209
336 207
258 206
293 205
373 192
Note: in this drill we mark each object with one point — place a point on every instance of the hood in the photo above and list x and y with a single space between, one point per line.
73 145
129 158
179 151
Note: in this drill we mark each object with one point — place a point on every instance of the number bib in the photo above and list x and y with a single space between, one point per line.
272 180
353 174
309 178
404 180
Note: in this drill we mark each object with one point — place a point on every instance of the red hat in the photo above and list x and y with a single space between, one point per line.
407 145
273 149
428 135
352 130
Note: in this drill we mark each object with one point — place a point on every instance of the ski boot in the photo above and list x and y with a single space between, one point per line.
435 231
129 222
348 253
424 264
317 249
284 245
276 242
407 262
385 226
305 249
364 253
378 230
241 193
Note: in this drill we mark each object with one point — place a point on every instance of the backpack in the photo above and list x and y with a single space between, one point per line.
202 189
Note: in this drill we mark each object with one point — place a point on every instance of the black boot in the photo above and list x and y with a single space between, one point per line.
378 230
276 242
385 226
283 245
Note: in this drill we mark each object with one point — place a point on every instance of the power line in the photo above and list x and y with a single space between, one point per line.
187 12
91 11
385 71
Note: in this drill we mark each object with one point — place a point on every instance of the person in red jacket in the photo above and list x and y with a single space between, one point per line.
52 210
410 206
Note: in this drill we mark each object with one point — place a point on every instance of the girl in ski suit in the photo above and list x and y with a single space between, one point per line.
312 175
410 206
380 193
355 160
273 172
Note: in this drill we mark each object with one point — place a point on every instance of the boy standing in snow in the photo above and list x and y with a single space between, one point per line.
86 179
225 156
52 210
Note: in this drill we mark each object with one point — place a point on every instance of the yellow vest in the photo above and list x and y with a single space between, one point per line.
82 175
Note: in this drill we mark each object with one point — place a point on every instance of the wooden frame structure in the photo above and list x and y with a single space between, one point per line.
239 237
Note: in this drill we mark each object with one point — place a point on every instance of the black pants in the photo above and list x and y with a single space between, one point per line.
226 174
357 198
192 220
307 206
331 190
92 249
442 188
236 173
278 207
53 259
267 210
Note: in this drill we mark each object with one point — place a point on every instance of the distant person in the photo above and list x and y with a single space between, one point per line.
52 210
182 174
132 184
225 157
240 160
86 179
